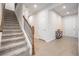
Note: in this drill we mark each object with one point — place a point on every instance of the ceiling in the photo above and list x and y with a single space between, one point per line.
72 8
40 6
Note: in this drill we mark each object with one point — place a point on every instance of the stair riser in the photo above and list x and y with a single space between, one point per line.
16 52
8 35
11 42
10 20
12 49
11 23
12 45
11 32
11 27
12 36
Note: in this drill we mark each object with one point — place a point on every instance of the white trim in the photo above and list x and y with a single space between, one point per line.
47 41
70 36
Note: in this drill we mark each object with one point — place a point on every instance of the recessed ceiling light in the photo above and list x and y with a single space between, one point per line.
64 7
67 12
35 6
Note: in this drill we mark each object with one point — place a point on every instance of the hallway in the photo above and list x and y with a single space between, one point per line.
44 22
66 46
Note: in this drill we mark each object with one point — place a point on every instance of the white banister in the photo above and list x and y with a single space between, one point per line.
27 30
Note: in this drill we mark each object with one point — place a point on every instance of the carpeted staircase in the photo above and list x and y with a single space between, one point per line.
13 41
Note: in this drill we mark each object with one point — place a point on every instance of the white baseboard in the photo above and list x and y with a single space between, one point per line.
49 40
46 40
71 36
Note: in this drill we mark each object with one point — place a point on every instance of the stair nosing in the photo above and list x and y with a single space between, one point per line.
12 34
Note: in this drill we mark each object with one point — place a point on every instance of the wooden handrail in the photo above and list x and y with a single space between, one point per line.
27 22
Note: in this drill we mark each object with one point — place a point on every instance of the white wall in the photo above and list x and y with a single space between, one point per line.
10 6
26 13
70 26
19 14
46 23
41 25
34 23
55 23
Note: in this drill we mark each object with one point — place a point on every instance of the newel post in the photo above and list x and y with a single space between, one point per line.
33 47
